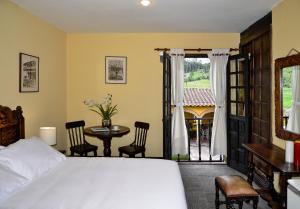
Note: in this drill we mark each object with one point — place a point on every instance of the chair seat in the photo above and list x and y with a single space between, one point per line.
131 149
235 186
83 148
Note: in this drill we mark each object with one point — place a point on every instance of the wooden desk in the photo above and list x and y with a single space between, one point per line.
106 137
275 157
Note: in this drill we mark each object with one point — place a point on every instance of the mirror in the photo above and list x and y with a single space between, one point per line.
287 97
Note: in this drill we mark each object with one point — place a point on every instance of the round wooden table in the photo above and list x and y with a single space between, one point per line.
106 136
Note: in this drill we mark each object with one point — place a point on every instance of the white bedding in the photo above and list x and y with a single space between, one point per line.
104 183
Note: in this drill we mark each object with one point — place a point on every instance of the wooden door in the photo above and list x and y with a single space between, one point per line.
238 114
167 114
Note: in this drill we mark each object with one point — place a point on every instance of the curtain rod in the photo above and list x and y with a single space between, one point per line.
199 49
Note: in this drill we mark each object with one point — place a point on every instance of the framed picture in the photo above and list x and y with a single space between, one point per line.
29 73
115 69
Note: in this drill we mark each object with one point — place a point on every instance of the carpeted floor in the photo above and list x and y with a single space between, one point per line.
198 180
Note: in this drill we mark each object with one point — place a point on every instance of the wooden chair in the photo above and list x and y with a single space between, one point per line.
138 146
77 139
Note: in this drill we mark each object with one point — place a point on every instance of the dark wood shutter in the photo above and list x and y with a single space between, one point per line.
167 114
257 41
238 114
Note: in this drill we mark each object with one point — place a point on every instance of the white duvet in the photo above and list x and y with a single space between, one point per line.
104 183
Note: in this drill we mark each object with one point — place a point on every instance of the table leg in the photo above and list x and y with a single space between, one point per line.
283 188
106 145
270 179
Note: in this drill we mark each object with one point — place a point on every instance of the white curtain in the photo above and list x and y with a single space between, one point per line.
179 132
218 62
294 114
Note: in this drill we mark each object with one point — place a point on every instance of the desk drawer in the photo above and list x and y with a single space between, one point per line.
262 166
261 172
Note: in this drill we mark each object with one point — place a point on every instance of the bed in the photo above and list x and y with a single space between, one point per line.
83 183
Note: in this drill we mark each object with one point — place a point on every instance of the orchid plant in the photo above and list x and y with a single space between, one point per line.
104 109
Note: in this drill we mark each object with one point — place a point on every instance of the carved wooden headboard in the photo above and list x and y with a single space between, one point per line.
11 125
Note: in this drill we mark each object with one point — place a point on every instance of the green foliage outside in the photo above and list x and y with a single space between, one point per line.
201 84
196 73
287 76
196 64
181 157
287 88
287 98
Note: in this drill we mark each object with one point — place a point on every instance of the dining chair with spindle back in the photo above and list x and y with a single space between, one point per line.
138 145
77 139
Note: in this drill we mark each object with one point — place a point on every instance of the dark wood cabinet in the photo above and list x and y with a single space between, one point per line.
274 158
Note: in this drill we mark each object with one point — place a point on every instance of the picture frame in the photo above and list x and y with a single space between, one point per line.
116 69
29 73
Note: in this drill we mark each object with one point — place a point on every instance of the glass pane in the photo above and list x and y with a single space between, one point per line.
233 108
241 109
233 80
241 64
241 93
232 66
241 79
233 95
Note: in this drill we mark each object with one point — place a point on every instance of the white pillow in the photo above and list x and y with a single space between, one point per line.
10 182
30 157
2 147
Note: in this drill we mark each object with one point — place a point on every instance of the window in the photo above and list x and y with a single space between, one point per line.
196 72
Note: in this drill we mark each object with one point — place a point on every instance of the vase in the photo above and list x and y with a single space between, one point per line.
106 122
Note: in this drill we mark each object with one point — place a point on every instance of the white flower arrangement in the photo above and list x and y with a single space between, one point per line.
104 109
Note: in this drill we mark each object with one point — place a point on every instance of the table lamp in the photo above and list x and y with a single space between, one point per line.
48 135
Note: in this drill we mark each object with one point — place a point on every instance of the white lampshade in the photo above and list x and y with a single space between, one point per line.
48 134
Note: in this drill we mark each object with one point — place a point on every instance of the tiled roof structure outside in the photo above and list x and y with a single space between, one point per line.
195 97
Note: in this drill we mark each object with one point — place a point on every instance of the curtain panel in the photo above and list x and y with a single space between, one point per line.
179 131
218 62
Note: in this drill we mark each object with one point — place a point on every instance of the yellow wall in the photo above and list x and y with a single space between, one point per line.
22 32
286 33
141 97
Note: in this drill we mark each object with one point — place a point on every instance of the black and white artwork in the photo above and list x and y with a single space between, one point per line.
29 73
115 69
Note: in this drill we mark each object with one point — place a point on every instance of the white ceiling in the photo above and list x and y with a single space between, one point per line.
161 16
